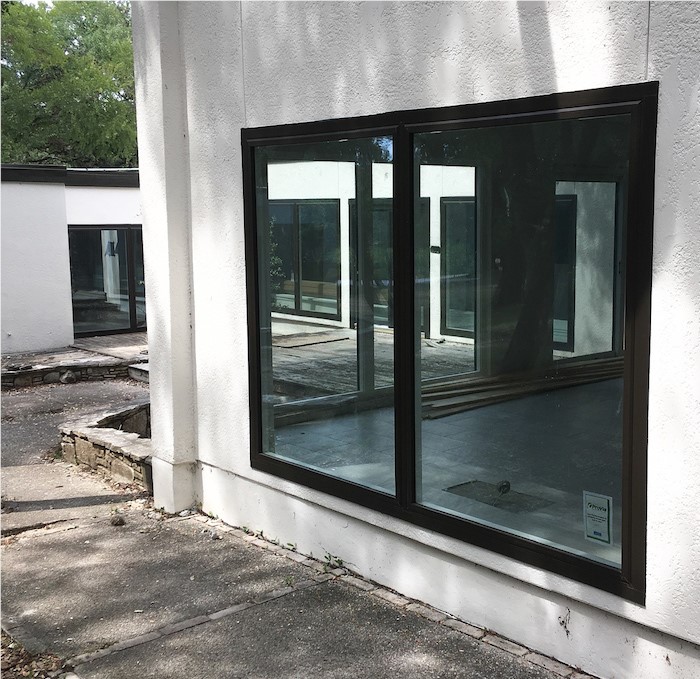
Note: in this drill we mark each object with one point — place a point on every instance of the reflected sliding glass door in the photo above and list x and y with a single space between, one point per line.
327 389
305 257
107 279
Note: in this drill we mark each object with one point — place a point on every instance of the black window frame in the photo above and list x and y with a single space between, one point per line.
640 101
131 230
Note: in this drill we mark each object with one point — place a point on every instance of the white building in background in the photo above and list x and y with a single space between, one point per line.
72 261
579 358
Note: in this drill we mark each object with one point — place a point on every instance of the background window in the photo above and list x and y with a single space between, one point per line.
107 279
305 257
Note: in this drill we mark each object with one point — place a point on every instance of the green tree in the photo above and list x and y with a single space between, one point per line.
68 84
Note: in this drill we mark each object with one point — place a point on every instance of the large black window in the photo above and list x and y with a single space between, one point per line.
487 271
107 279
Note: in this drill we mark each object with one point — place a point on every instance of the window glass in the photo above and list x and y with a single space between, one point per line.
319 257
525 432
99 279
283 261
324 260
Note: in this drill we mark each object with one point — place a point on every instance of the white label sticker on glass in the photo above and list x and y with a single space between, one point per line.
597 517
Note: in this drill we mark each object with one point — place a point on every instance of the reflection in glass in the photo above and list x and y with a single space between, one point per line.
588 268
319 269
459 266
284 265
99 280
325 302
564 267
108 291
527 262
305 257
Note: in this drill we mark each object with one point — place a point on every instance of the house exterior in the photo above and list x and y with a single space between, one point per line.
422 295
72 260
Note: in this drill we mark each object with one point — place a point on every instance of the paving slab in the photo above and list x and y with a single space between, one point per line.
57 358
76 591
131 346
332 630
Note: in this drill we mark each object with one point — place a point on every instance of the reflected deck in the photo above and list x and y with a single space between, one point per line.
550 446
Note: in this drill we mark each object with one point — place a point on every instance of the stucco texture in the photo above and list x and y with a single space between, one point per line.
674 391
243 65
36 293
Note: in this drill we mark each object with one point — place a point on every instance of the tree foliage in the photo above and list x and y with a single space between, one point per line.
68 84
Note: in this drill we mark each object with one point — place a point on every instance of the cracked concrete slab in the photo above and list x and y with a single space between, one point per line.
100 584
332 630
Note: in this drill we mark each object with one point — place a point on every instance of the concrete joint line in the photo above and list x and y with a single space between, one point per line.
38 528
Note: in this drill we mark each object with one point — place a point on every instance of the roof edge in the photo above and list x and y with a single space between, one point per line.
60 174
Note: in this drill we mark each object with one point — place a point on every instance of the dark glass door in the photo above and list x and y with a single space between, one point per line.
107 279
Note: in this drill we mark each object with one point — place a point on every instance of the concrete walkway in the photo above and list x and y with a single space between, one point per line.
92 574
190 597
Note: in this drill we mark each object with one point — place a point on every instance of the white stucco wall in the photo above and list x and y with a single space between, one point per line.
36 295
103 205
204 70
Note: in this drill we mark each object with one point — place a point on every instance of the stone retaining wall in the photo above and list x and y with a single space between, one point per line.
28 378
103 443
135 419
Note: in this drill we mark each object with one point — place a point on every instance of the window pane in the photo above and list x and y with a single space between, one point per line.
382 262
327 367
99 279
516 434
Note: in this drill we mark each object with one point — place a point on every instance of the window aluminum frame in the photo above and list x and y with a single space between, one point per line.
640 102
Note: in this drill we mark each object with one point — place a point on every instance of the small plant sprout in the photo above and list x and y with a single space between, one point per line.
331 561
